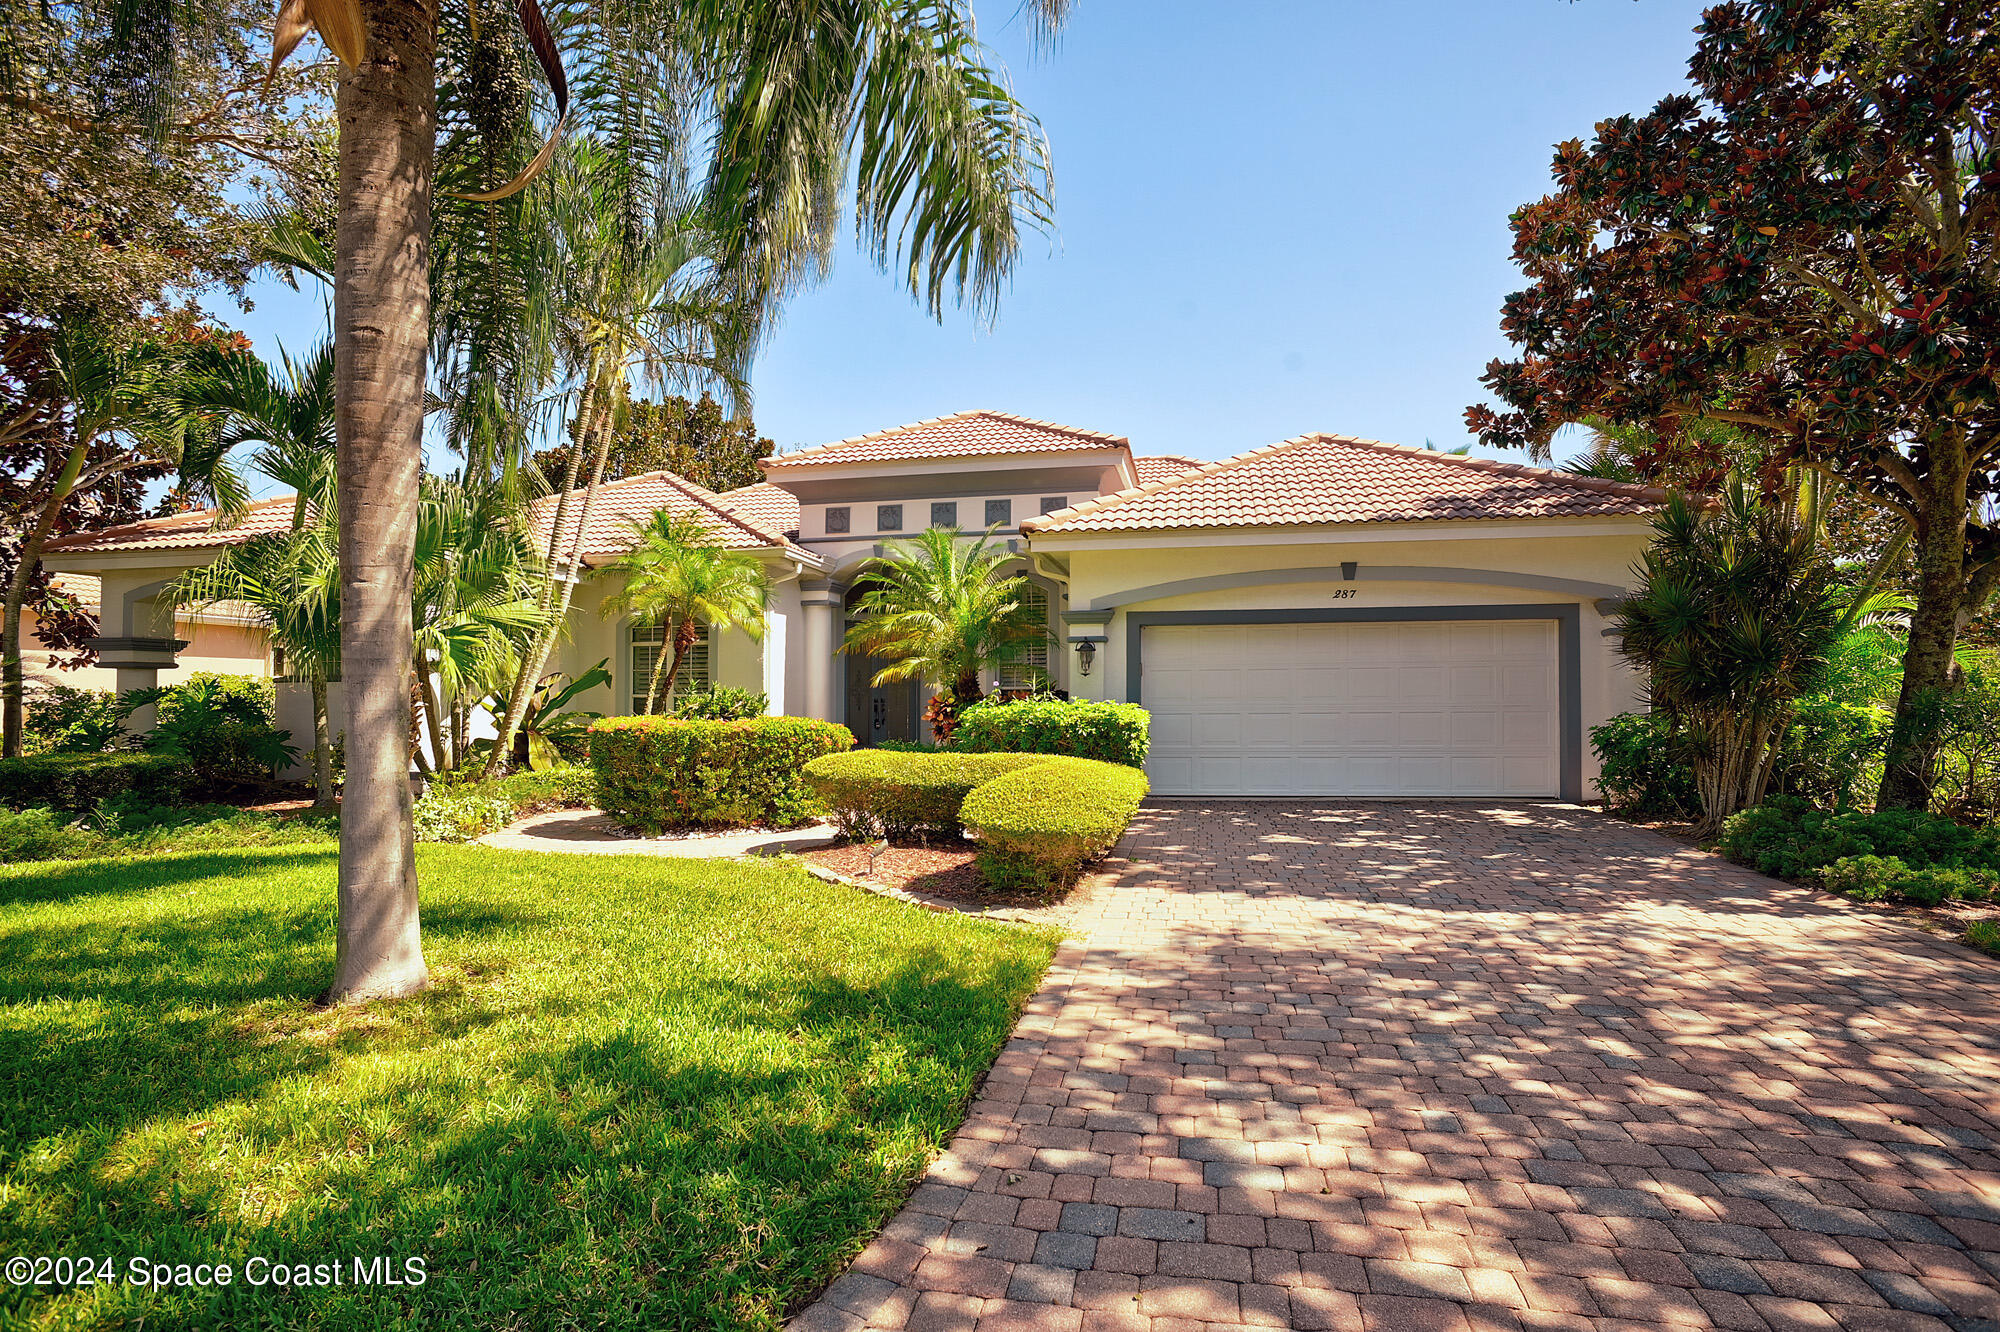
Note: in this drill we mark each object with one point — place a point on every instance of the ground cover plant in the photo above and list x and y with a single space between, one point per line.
639 1093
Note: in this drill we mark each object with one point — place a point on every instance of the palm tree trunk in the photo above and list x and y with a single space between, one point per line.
593 418
12 670
322 751
387 111
653 691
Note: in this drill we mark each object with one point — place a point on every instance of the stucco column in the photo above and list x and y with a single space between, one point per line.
821 603
136 640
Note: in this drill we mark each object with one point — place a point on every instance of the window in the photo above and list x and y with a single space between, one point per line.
888 517
1030 670
649 650
944 515
999 513
1050 503
836 519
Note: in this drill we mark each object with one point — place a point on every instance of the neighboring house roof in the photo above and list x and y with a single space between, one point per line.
619 504
1161 466
961 435
89 590
193 530
764 505
1331 479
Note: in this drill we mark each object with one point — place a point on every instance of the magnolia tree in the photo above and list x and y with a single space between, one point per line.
1806 245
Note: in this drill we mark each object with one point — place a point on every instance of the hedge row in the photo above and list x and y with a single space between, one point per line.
81 782
659 773
1108 732
899 793
1039 818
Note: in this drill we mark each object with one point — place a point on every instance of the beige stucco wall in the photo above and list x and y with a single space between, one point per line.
225 649
1512 564
736 659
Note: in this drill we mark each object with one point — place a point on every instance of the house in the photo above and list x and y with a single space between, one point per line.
227 639
1322 616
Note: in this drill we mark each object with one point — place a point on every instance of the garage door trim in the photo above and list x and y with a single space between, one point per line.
1569 654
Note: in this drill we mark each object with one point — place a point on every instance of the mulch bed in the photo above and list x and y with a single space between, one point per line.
937 869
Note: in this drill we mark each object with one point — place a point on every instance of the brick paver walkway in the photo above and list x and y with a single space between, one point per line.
1453 1066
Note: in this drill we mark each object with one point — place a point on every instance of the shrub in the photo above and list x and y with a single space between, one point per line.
1831 753
39 834
1787 836
460 813
656 773
65 720
906 746
1108 732
80 782
1039 826
1869 878
894 793
1984 934
565 787
721 703
1646 766
221 724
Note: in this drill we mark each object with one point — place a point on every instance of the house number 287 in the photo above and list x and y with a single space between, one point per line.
1343 594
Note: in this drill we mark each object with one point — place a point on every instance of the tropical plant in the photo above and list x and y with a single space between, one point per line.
552 732
675 575
108 407
792 102
286 411
292 580
939 608
473 608
1736 616
1801 245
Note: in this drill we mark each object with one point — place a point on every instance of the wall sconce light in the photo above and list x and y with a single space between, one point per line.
1086 653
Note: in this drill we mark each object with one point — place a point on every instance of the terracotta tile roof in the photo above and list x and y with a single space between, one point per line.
1328 479
962 435
1160 466
193 530
764 505
621 503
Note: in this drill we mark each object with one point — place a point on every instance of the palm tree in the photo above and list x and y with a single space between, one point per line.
287 412
677 577
474 606
292 579
1737 616
938 607
636 292
792 101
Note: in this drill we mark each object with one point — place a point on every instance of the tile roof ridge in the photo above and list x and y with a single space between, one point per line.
1100 503
93 535
785 459
711 501
1631 489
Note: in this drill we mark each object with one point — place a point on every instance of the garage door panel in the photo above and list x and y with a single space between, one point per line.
1362 709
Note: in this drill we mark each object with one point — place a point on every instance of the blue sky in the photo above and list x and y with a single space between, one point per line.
1272 217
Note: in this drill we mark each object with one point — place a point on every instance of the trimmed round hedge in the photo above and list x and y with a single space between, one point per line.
1040 826
657 773
1112 732
1039 818
897 793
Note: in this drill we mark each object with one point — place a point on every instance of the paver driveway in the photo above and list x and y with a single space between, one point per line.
1410 1066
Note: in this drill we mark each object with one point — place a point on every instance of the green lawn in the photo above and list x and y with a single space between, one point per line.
641 1093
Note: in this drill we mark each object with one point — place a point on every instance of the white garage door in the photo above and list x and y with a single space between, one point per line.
1425 708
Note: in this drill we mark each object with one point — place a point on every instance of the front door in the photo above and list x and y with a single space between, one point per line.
879 712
